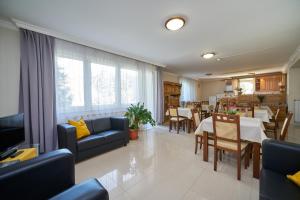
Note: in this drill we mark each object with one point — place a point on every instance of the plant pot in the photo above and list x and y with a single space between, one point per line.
133 134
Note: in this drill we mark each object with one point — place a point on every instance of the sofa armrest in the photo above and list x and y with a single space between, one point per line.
282 157
67 137
88 190
39 178
121 123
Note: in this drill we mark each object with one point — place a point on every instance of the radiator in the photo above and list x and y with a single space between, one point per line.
297 110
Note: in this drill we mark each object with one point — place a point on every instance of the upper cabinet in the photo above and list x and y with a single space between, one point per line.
270 82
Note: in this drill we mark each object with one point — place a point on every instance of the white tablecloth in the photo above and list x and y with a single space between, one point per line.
262 114
268 109
252 129
184 112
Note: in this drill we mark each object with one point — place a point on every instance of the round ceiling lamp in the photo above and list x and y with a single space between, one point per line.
175 23
208 55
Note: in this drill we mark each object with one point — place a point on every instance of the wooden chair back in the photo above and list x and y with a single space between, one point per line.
196 118
204 102
217 107
173 112
276 115
227 128
285 127
249 110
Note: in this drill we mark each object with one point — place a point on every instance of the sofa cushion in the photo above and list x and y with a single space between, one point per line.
112 135
89 124
276 186
91 141
101 124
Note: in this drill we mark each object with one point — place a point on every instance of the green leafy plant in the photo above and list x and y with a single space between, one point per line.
231 112
261 98
138 115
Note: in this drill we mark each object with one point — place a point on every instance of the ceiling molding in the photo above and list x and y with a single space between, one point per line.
293 59
245 73
74 39
7 24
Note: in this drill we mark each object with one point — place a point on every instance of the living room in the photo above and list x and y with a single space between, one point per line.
149 99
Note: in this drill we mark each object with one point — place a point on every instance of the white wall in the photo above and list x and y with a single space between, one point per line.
293 86
9 71
211 88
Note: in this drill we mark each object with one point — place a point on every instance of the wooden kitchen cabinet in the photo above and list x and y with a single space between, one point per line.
268 82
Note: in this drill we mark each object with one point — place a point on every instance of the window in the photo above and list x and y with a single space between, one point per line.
69 82
103 84
129 86
188 89
247 85
91 83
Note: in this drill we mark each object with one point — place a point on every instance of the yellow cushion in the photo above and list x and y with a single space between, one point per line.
230 145
175 118
81 128
199 133
295 178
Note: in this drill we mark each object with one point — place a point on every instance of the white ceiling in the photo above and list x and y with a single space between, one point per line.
248 35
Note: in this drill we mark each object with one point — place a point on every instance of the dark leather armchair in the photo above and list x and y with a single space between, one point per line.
106 134
51 175
279 159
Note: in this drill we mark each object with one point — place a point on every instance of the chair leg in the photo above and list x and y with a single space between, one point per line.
246 161
275 133
170 126
201 141
183 125
215 159
177 124
196 143
239 166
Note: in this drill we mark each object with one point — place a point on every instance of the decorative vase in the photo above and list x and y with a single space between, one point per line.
133 134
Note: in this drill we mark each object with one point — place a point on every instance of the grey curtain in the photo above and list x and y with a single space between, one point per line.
37 89
160 97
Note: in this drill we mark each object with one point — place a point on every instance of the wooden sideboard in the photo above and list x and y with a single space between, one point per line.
270 82
172 93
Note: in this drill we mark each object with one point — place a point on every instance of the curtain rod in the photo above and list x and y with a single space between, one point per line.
74 39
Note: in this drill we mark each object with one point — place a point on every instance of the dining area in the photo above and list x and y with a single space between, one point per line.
229 130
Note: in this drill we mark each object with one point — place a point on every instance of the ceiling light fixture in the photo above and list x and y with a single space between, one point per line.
174 23
208 55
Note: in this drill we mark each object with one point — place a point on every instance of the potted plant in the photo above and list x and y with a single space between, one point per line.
239 90
138 115
261 98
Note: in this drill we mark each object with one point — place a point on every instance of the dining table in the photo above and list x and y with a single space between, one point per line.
251 130
183 112
262 114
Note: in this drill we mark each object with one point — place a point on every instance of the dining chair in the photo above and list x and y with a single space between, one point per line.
250 111
217 107
199 136
227 138
285 127
175 119
203 113
272 126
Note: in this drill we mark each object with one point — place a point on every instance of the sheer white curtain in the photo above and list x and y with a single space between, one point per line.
91 83
188 89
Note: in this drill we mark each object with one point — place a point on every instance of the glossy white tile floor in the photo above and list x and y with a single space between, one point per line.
162 165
